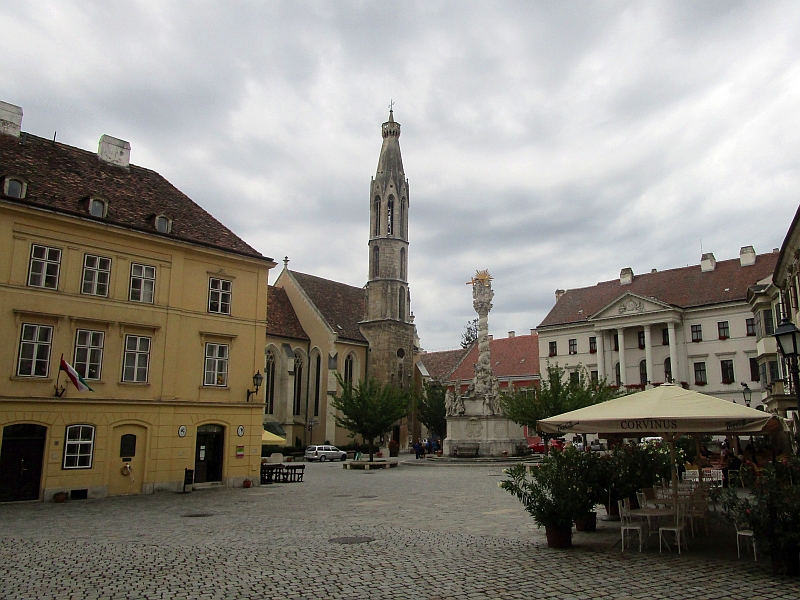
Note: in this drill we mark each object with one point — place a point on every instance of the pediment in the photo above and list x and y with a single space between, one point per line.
630 304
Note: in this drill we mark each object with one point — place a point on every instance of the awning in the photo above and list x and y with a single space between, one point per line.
666 409
271 439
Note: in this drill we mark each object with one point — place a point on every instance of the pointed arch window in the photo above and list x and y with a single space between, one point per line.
390 216
298 384
269 383
377 230
348 370
668 370
317 380
403 264
401 305
376 261
643 372
402 227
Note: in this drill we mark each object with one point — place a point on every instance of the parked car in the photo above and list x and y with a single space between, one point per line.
538 447
323 453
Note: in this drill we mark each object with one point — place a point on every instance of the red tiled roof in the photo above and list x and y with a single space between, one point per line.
684 288
61 178
343 306
511 357
440 364
282 321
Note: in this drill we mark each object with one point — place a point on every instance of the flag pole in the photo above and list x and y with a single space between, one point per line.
60 392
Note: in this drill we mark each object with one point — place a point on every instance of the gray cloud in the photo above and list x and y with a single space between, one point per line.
553 143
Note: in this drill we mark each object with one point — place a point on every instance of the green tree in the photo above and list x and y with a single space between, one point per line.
431 408
470 335
557 394
369 409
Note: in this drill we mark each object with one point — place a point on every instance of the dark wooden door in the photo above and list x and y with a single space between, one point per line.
21 458
209 453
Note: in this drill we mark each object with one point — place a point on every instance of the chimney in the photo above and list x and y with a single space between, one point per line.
511 334
10 119
490 337
533 332
559 293
708 262
114 151
626 276
747 256
654 270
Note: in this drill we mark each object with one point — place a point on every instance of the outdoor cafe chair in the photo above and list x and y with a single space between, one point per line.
696 508
678 528
746 534
691 475
717 476
735 478
627 524
641 499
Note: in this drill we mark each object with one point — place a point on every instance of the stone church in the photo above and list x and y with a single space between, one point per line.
317 327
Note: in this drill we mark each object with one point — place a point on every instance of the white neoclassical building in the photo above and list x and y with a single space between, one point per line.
691 325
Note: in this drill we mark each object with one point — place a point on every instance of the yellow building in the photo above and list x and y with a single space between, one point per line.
158 306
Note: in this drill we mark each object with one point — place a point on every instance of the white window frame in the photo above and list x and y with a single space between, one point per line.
142 274
95 276
43 264
89 353
80 449
219 293
215 370
134 353
35 343
23 185
167 223
97 202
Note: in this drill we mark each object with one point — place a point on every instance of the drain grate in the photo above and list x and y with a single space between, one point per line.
367 496
352 540
342 495
198 515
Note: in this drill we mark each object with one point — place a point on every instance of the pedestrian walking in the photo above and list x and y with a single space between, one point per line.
357 453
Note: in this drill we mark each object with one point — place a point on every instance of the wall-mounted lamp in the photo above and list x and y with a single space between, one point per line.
258 378
747 394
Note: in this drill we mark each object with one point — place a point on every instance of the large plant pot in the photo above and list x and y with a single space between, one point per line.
612 510
558 536
587 522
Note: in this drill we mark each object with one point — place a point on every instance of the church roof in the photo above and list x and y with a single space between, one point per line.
686 287
441 364
62 178
343 306
282 321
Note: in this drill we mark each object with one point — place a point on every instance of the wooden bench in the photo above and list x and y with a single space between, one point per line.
293 473
466 451
271 473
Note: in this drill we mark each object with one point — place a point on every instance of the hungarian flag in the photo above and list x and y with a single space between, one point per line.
77 380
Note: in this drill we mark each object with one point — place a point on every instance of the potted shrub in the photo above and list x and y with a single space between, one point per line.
553 494
773 513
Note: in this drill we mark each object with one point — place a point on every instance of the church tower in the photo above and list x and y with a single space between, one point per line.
388 323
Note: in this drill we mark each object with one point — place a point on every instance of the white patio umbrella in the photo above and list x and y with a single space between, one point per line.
667 411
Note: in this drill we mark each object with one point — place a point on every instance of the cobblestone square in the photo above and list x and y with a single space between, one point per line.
425 533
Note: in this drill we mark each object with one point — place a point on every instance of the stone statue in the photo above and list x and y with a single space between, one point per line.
485 384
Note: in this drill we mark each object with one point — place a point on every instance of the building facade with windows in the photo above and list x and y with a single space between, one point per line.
160 309
356 331
691 325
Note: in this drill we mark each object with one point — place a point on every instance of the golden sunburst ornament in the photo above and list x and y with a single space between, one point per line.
481 277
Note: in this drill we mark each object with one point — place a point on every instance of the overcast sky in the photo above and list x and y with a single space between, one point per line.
553 143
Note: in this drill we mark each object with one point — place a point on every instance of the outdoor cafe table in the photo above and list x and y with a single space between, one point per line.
652 513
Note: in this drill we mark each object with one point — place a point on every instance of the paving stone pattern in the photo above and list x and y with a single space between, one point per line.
439 533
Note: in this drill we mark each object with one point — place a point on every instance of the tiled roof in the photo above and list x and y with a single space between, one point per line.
282 321
440 364
61 178
684 288
517 356
343 306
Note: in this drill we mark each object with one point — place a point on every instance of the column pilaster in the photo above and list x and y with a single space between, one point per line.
648 353
621 338
601 355
673 350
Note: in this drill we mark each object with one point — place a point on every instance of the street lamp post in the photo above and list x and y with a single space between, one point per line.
747 394
788 338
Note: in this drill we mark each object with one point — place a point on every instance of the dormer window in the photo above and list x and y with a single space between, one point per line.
163 224
98 207
14 187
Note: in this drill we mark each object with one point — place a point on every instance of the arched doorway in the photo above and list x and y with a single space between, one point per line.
128 451
21 458
209 453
